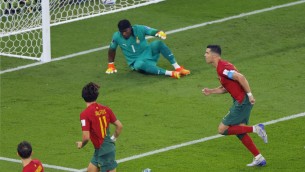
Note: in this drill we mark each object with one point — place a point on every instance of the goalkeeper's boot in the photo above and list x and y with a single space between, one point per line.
175 74
261 132
258 161
183 71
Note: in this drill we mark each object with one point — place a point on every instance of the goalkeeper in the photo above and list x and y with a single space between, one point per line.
140 55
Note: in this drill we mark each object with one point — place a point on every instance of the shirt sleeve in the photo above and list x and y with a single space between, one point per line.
149 31
228 73
114 44
111 116
84 122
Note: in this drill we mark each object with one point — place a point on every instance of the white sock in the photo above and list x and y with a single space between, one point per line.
168 73
176 66
258 156
254 129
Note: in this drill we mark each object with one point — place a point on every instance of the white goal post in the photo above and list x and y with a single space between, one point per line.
25 24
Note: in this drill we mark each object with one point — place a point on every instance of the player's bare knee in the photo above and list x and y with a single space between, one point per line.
221 130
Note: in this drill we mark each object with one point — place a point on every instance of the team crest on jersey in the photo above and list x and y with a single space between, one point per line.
137 40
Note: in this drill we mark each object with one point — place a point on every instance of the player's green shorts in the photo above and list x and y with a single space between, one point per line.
239 113
103 159
147 61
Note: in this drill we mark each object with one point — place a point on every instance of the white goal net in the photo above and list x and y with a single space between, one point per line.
25 24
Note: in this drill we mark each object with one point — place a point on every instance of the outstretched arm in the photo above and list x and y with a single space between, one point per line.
154 32
111 56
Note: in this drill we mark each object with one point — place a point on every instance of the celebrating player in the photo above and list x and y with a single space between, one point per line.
235 122
140 55
24 150
95 120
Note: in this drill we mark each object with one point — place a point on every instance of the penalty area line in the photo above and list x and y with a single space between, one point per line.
159 150
168 32
202 140
198 141
44 165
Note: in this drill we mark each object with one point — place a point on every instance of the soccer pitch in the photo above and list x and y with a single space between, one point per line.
265 40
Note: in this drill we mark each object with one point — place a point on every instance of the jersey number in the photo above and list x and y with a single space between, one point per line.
103 125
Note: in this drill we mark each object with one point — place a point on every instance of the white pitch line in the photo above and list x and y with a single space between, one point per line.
44 165
168 32
169 148
202 140
159 150
237 16
198 141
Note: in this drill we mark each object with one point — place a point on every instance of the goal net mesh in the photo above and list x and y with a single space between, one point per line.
21 20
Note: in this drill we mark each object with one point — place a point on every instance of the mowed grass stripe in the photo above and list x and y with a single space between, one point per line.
168 32
160 150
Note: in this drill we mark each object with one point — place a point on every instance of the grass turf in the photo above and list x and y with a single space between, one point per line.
42 104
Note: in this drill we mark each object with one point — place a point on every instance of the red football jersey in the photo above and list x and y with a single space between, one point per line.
95 119
34 166
233 87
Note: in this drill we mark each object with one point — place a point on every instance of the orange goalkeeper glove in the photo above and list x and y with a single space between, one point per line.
161 34
111 68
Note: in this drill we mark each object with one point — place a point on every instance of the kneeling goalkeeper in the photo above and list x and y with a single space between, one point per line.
140 55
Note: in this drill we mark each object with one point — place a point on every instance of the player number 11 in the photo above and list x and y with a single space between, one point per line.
103 125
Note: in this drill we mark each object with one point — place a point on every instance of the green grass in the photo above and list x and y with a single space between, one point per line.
97 32
42 104
228 153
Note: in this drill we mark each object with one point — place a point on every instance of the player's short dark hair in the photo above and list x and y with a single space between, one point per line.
215 49
24 149
123 24
90 92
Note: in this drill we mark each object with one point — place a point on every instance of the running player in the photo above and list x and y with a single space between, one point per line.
236 121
